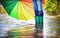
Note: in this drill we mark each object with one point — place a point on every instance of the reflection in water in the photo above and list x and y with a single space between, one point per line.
14 29
24 32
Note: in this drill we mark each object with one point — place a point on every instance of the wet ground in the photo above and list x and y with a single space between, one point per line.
12 28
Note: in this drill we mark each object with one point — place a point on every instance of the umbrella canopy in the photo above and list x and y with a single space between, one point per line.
43 1
19 9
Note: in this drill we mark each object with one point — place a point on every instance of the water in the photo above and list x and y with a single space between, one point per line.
51 26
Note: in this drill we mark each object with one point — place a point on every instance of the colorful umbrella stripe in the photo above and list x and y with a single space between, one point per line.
21 9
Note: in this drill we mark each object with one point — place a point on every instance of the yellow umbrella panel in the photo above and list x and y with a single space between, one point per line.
24 11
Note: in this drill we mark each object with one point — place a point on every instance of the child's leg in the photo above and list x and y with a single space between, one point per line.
37 23
40 10
41 22
35 7
41 15
40 5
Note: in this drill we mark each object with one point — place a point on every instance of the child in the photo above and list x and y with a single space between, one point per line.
37 4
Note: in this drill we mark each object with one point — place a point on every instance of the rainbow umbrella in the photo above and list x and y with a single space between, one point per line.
19 9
